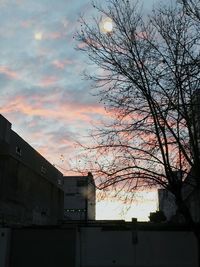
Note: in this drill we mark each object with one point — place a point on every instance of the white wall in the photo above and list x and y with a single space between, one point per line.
100 248
105 246
79 199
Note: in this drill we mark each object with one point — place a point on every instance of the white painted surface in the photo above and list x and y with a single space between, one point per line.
100 248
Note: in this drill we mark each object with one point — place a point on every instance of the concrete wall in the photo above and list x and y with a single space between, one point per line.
125 248
30 187
43 247
5 242
99 245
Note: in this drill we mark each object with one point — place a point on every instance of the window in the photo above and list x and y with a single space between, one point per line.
18 151
59 182
43 170
75 210
81 183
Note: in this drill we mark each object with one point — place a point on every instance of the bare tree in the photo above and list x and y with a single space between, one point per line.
147 75
192 8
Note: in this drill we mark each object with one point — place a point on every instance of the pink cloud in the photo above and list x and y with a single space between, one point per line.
141 35
9 72
20 2
53 35
82 45
68 112
60 64
58 155
26 23
43 150
48 81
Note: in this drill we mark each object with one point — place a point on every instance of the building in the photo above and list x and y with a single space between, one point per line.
79 199
167 204
31 189
190 195
193 203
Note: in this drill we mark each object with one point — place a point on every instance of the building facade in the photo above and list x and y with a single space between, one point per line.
167 204
79 198
31 189
191 197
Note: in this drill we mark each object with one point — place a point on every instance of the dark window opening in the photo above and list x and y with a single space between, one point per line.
43 170
18 151
81 183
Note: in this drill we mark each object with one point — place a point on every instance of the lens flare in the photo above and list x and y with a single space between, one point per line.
106 25
38 36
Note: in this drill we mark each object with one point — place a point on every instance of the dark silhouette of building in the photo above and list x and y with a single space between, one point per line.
31 189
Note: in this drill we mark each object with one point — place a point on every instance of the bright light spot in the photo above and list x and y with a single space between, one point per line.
106 25
38 36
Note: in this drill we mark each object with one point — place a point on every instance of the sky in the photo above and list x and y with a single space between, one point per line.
42 90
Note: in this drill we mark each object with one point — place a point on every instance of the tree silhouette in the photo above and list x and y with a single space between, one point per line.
146 74
192 8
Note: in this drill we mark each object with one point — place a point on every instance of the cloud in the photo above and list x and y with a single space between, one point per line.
61 64
9 73
54 35
26 23
48 106
48 81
